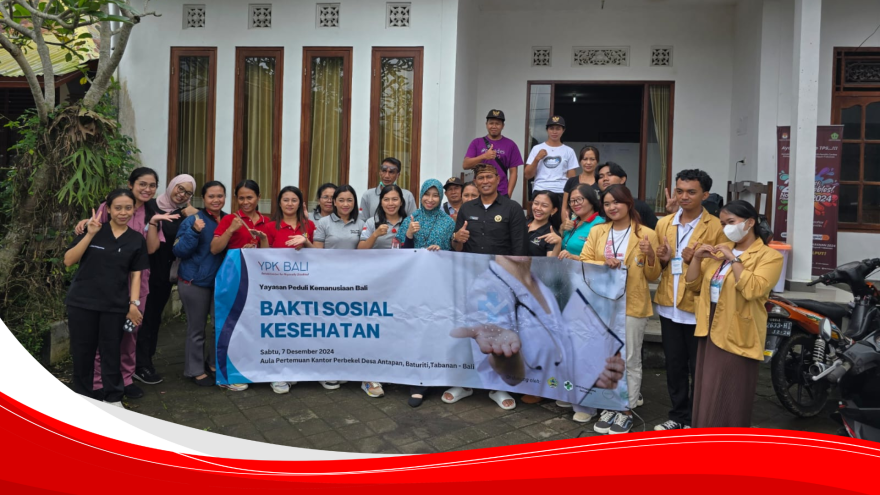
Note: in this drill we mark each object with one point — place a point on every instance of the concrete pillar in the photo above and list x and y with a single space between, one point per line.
804 105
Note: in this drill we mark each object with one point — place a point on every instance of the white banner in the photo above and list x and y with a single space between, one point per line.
536 326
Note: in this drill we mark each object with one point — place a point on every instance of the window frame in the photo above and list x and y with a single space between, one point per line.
305 150
643 127
418 54
242 53
173 107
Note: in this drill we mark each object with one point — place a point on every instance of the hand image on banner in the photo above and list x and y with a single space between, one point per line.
537 326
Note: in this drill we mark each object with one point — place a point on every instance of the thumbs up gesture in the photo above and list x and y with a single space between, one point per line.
199 223
663 251
462 235
490 154
646 248
413 228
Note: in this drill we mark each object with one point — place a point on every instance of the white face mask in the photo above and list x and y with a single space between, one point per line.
736 232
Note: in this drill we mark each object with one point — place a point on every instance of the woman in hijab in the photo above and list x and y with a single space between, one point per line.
428 227
175 200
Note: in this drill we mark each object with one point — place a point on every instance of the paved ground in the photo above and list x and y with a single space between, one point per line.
348 420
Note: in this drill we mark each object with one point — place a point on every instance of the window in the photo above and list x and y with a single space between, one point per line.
630 122
256 148
191 114
396 112
856 105
326 116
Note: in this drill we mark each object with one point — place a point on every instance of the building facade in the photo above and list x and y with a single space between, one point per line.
301 93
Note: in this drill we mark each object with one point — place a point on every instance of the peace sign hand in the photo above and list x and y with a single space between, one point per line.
94 225
671 202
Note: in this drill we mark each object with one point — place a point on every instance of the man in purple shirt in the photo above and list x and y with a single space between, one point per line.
497 150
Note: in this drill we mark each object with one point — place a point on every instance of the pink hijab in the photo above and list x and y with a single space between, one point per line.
165 202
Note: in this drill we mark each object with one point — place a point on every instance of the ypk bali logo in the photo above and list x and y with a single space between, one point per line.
286 268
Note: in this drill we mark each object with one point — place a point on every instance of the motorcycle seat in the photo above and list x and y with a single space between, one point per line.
835 312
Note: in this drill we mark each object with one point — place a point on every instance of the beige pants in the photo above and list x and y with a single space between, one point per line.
635 335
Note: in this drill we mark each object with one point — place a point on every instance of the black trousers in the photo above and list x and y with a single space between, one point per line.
148 333
680 347
89 332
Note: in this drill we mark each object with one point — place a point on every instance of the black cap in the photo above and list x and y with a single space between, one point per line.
556 120
453 181
495 114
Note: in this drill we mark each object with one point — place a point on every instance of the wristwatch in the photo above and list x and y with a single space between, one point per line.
737 260
136 303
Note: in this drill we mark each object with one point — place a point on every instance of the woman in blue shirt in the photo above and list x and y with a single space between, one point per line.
586 211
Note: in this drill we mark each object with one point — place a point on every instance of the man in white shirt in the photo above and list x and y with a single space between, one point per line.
551 163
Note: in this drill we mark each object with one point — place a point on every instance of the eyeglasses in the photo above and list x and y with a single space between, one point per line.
389 169
181 190
150 185
326 198
576 201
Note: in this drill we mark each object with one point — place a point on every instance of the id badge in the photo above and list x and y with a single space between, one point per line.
714 290
677 264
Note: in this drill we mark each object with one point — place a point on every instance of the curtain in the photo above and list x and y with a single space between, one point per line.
396 114
259 102
326 147
660 111
192 119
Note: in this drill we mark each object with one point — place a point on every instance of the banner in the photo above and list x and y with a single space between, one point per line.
536 326
827 190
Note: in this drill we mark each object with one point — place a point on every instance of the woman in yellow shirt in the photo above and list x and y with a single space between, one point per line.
732 281
623 242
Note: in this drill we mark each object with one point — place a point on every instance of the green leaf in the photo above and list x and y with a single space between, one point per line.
83 81
117 18
84 36
68 57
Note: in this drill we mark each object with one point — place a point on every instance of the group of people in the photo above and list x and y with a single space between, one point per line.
714 274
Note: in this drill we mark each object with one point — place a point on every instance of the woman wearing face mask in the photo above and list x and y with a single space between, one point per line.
175 200
585 210
589 159
290 227
244 228
733 280
544 224
625 242
342 230
195 284
325 201
143 183
428 227
97 302
469 192
380 232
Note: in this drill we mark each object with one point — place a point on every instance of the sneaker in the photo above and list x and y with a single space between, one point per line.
562 403
115 404
235 387
133 392
582 417
606 419
622 424
148 376
330 385
280 387
373 389
670 425
640 400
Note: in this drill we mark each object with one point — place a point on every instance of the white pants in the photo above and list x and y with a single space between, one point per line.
635 335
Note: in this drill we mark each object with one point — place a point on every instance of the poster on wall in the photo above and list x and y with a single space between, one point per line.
827 189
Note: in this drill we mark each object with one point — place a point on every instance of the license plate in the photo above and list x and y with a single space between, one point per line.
780 328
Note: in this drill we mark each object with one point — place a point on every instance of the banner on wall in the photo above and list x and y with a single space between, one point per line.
422 318
827 190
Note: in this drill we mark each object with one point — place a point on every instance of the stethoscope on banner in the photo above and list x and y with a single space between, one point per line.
516 306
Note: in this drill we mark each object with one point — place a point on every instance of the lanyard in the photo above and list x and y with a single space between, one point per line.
617 247
254 239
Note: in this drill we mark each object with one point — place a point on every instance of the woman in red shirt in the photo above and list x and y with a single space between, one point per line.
290 227
246 227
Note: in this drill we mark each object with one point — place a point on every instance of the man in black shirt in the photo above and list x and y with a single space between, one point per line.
611 173
490 224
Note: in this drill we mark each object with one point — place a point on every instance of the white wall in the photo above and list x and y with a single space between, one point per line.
466 65
145 75
746 93
702 67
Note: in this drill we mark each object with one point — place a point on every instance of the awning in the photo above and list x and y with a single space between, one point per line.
11 74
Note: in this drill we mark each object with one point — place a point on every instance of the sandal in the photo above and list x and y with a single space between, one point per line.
531 399
457 394
373 389
499 396
415 400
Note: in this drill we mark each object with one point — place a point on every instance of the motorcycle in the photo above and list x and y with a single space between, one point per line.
793 348
857 369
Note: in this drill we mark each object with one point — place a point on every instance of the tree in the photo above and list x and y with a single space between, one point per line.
37 25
